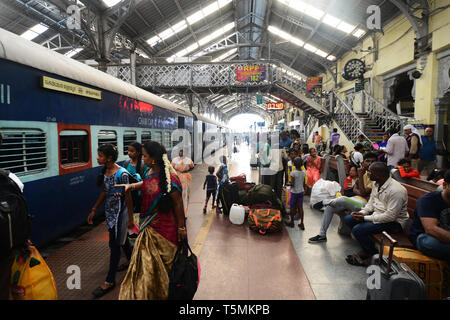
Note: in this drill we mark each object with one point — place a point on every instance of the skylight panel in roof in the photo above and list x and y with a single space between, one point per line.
314 12
181 53
111 3
192 47
34 31
359 33
331 21
297 42
180 26
73 52
298 5
321 53
310 47
225 55
166 34
195 17
223 3
213 7
154 40
344 26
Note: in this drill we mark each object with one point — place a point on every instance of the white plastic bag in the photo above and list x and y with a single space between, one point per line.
323 190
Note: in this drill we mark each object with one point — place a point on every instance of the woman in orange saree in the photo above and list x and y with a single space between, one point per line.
161 227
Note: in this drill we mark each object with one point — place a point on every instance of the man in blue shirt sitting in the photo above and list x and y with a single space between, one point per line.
427 152
430 231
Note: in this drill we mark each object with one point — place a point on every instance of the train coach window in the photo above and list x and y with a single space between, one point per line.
128 138
157 136
23 151
73 146
146 136
167 140
107 136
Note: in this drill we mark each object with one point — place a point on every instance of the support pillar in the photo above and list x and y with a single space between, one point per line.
441 106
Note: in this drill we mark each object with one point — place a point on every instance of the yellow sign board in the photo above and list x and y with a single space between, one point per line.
64 86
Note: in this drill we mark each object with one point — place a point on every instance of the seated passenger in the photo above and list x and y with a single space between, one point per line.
350 181
342 204
430 231
405 169
356 157
385 211
313 167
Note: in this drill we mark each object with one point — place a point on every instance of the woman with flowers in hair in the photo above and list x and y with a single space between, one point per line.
161 228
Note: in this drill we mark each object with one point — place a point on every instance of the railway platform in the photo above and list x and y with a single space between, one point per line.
236 263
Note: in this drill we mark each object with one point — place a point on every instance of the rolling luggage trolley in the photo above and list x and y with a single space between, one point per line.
397 281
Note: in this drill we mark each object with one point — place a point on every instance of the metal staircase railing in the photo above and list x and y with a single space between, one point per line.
347 120
385 118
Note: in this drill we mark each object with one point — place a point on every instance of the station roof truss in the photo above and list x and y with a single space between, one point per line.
304 35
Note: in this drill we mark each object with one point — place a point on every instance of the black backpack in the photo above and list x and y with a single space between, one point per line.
184 276
228 194
15 222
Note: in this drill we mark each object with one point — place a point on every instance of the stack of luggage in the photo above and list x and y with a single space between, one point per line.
264 208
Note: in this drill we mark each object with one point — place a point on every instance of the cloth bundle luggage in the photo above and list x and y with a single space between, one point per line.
265 220
240 180
397 281
262 194
433 272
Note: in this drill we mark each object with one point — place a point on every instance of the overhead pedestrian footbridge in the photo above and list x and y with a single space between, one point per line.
227 78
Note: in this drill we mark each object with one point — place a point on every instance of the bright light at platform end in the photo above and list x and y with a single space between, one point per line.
245 122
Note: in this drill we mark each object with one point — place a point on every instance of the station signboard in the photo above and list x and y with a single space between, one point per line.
275 106
251 73
314 85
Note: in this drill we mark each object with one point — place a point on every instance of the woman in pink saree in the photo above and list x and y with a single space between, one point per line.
161 228
313 167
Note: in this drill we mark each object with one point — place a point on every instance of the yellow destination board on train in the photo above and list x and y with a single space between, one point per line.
64 86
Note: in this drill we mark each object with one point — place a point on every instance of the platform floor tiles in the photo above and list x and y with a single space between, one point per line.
236 263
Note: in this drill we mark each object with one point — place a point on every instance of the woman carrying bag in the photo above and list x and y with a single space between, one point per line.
161 228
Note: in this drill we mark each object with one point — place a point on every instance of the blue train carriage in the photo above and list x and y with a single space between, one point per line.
54 113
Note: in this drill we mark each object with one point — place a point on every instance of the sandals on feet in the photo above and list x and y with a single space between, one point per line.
356 260
100 292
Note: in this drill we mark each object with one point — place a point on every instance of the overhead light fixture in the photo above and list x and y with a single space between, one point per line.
331 58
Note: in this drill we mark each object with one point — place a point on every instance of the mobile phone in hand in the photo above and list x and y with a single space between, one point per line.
115 190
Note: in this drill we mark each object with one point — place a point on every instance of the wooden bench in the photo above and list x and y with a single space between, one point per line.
414 193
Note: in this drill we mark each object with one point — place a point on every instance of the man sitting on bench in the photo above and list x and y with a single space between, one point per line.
430 231
362 189
385 211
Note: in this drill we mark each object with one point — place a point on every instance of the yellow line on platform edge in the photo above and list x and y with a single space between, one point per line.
203 233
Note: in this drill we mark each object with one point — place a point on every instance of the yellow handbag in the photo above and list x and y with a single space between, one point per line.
31 278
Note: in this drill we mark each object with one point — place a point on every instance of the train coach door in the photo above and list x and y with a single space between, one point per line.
198 141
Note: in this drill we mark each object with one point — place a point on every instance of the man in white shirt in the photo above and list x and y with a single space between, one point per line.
396 149
385 211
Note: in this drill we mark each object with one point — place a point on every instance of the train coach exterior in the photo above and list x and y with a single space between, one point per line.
51 132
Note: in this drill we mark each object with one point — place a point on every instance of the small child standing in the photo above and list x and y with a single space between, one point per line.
297 192
211 187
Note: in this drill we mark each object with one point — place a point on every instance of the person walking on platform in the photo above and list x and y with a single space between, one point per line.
135 165
183 165
161 227
396 148
118 212
317 139
211 188
414 141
